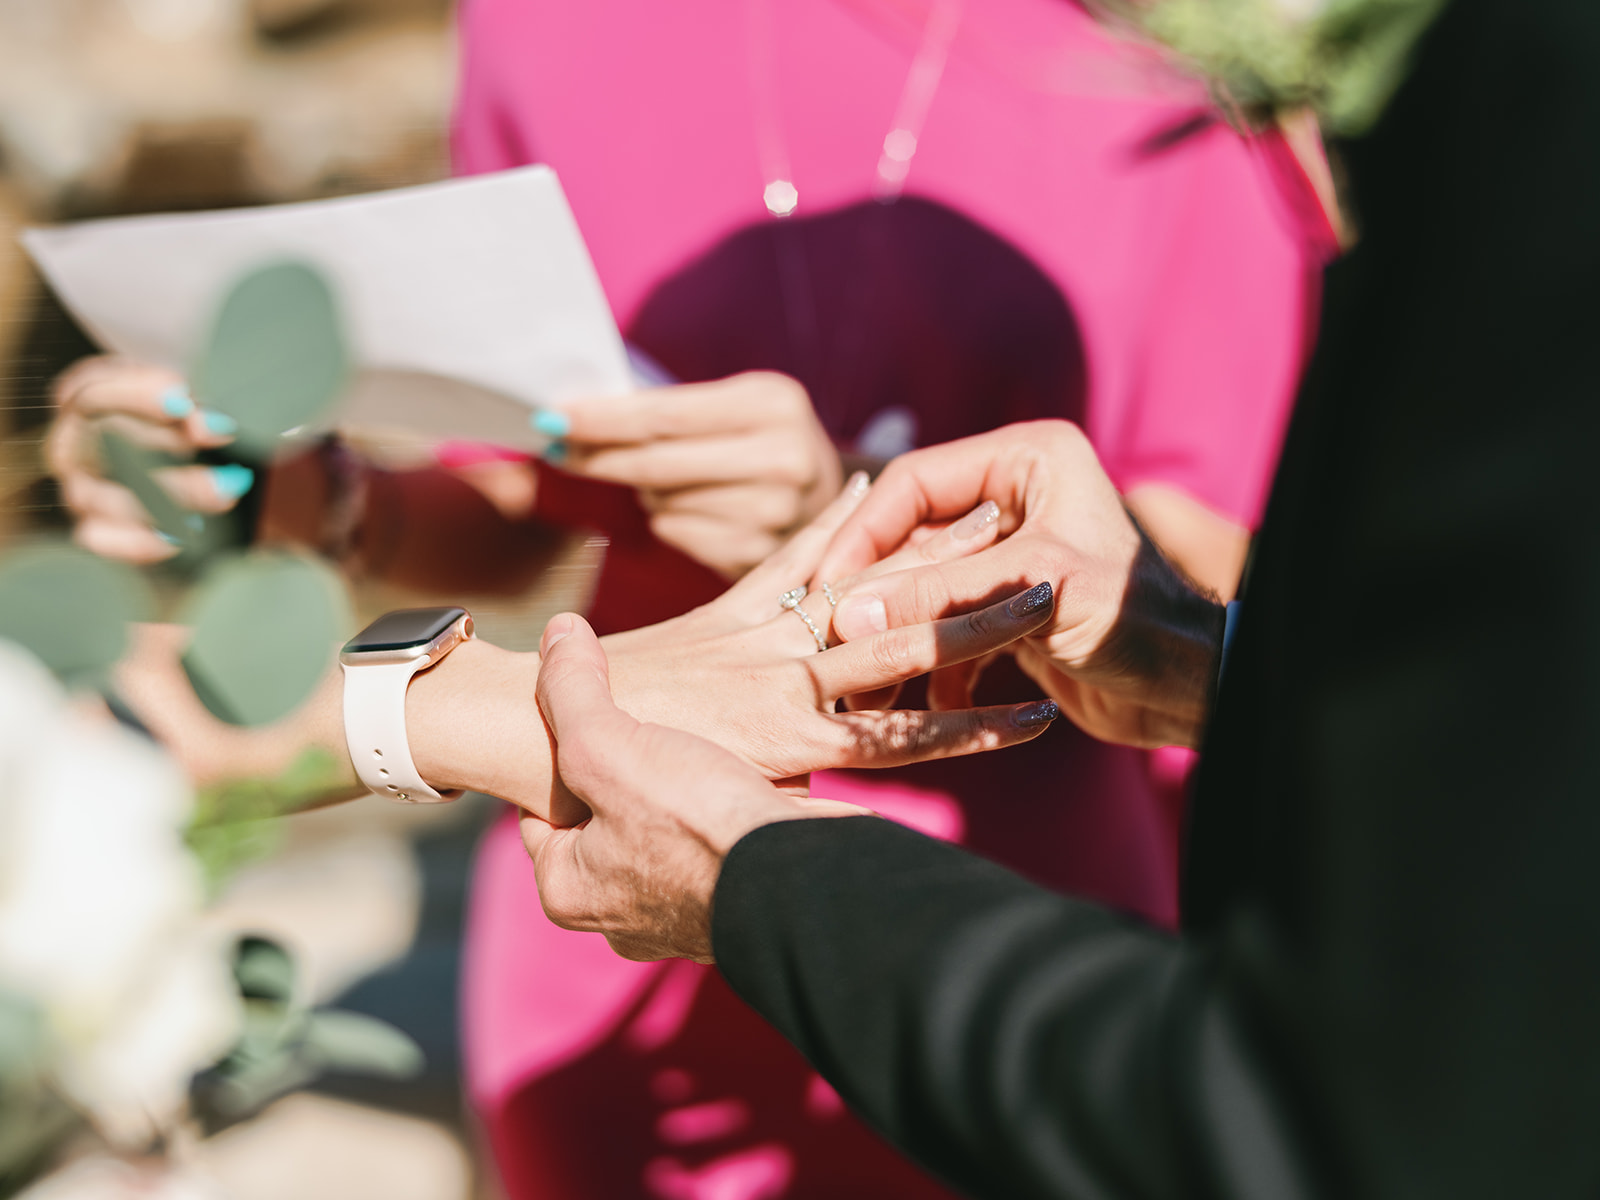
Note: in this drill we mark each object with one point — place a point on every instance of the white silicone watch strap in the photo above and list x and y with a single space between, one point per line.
375 731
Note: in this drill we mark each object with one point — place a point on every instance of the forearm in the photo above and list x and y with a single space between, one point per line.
1016 1042
1007 1038
472 722
415 528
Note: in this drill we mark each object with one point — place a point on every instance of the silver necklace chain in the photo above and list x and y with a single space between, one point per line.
779 192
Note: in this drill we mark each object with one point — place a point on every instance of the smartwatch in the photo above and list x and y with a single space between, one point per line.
378 664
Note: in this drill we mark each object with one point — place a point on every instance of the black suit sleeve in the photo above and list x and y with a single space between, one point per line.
1016 1042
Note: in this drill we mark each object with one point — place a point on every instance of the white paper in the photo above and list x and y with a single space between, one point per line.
465 303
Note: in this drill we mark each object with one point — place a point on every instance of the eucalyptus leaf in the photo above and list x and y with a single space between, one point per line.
265 628
249 1088
22 1036
132 466
70 608
359 1044
264 970
276 358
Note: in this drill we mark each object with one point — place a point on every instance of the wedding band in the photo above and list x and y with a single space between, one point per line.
827 590
791 600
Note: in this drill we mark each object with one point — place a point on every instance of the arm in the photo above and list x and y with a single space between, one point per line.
740 671
1016 1042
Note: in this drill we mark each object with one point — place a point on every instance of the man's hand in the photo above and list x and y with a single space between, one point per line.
666 809
1130 653
727 469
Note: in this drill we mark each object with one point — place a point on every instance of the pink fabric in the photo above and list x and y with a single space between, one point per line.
1186 270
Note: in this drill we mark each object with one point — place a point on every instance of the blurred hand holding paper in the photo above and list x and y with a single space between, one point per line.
465 303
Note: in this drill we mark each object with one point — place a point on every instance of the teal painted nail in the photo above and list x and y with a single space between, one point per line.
176 402
555 452
167 538
232 480
220 424
551 422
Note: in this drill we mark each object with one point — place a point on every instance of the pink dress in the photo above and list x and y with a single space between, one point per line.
1074 241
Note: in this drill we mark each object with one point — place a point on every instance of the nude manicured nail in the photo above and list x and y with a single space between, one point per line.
975 522
858 484
1032 600
860 616
1040 712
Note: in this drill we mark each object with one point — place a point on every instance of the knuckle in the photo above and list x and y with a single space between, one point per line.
930 595
984 625
779 508
892 656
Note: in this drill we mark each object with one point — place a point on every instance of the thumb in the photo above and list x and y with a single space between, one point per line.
574 691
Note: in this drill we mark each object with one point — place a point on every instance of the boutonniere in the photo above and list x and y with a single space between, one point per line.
1342 59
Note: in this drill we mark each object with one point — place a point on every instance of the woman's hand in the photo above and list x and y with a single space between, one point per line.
151 407
1130 651
727 469
744 673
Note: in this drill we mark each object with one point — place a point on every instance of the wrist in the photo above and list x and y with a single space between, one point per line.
1193 653
473 723
1181 631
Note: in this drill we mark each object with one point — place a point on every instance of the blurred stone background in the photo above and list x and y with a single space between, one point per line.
111 107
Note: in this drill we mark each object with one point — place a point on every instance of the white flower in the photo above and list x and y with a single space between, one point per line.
100 907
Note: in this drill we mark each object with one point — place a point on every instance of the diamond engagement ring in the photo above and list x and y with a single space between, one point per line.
791 600
827 590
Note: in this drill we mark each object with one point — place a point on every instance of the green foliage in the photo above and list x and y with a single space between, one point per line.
239 822
1344 61
70 608
265 626
34 1120
276 357
285 1046
131 466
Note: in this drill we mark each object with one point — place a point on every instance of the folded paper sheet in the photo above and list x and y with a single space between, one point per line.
465 303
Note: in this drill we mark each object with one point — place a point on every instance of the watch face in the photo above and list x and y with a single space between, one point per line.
404 629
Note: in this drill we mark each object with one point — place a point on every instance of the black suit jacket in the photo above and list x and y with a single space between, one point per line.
1389 980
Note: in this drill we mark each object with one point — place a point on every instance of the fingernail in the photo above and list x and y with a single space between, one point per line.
166 537
975 522
858 484
176 401
559 627
220 424
194 522
555 453
860 616
1040 712
1032 600
232 480
551 422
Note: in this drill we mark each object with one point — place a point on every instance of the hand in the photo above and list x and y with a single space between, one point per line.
740 671
745 674
727 469
1130 652
666 809
150 406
